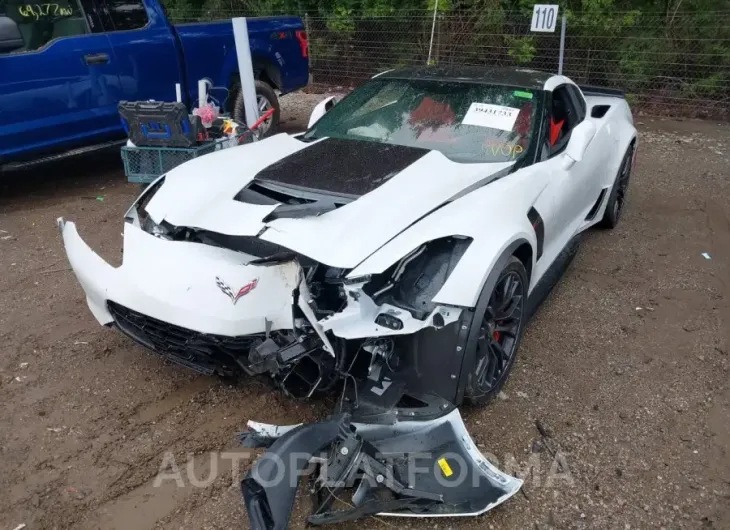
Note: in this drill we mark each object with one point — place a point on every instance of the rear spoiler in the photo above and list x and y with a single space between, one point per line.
601 91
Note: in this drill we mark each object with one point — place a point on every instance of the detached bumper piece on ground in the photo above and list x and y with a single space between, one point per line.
427 468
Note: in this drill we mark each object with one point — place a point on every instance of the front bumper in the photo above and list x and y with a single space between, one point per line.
184 284
203 306
408 469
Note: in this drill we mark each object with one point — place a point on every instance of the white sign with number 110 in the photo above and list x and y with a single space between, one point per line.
544 18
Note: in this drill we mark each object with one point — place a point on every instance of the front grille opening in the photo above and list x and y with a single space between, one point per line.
205 353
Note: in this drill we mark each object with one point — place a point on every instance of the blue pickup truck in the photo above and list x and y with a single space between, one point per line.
65 65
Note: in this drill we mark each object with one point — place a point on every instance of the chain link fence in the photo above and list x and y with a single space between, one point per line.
673 63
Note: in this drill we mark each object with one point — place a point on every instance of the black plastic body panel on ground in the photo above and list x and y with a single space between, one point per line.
270 488
407 468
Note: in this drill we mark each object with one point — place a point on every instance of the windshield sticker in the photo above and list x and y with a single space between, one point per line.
522 94
492 116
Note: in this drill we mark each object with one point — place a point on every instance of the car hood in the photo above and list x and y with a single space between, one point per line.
388 188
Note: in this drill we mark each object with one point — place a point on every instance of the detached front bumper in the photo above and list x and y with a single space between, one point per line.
408 469
197 291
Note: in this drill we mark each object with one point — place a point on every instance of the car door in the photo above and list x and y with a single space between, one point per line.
59 85
569 193
145 49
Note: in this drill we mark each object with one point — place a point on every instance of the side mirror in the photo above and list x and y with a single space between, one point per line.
321 109
580 137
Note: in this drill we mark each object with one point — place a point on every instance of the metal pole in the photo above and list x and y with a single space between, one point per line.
245 69
309 50
433 27
562 45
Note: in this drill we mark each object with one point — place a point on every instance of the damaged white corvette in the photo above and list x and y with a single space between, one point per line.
392 253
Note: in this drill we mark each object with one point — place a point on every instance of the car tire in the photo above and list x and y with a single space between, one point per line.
266 97
500 326
617 198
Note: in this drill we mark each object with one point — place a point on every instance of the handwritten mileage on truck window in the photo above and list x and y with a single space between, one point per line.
36 11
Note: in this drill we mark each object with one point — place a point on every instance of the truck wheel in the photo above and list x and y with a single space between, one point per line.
266 98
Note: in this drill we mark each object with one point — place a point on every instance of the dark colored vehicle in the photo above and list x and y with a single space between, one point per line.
66 65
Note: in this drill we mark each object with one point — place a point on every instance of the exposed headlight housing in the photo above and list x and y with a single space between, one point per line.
137 213
412 283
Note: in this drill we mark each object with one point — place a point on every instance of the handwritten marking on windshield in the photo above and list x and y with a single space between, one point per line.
505 149
35 11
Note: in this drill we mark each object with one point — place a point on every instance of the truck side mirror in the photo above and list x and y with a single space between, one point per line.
321 109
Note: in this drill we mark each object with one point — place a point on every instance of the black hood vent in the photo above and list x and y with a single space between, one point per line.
344 167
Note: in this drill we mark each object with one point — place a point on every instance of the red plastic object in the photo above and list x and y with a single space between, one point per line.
303 42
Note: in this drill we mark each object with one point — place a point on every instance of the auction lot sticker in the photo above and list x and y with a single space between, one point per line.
492 116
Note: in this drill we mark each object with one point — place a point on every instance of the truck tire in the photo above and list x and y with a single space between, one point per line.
267 99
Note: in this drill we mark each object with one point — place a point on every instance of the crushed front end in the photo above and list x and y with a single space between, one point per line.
231 304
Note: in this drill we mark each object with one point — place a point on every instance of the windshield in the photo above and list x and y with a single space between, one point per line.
467 122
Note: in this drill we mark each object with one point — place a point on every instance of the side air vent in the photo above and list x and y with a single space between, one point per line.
599 111
536 221
594 209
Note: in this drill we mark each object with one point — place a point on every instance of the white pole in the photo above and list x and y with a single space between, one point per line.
178 93
433 27
562 45
245 67
202 93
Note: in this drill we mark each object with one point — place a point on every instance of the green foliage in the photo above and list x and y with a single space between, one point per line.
667 48
341 20
521 49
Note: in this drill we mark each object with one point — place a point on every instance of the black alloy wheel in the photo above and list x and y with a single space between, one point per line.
499 334
617 199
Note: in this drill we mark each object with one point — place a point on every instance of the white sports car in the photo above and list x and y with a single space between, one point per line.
392 252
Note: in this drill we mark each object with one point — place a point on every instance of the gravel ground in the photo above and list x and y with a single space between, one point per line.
625 369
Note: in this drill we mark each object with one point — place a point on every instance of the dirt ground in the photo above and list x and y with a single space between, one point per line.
625 368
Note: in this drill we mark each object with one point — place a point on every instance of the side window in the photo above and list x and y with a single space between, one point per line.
26 26
563 117
124 15
580 102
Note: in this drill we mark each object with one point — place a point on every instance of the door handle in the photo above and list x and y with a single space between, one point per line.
96 58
